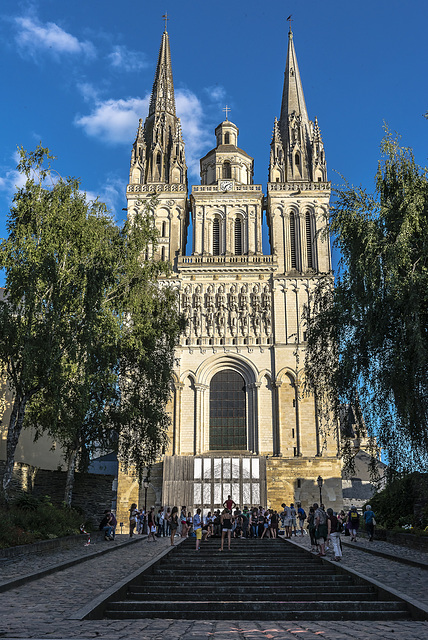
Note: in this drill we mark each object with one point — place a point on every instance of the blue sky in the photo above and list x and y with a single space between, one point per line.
78 76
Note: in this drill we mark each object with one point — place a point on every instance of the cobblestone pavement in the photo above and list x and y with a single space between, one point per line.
42 609
410 581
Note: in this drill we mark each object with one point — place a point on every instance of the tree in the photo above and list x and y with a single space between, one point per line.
83 322
368 335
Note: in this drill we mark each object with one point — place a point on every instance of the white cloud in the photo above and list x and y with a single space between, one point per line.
216 94
11 181
112 194
34 36
123 59
114 121
197 137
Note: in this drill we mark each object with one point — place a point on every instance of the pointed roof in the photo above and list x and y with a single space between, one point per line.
293 99
162 98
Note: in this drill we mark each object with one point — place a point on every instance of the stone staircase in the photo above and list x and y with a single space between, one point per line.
256 580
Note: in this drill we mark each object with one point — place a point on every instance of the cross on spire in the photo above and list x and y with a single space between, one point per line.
165 17
289 20
226 110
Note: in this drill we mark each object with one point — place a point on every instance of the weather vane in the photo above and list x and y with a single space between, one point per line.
165 17
226 110
290 20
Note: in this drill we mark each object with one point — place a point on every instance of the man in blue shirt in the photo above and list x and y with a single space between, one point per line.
369 521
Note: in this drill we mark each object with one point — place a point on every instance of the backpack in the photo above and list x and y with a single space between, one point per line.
354 516
302 514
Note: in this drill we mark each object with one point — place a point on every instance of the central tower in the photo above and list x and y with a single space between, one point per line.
239 422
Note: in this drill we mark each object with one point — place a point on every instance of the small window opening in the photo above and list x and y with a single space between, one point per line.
163 229
216 237
295 452
227 170
226 138
293 241
292 433
198 341
299 483
221 340
238 237
297 159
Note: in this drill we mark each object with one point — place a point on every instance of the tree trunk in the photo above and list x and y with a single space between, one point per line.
15 427
69 483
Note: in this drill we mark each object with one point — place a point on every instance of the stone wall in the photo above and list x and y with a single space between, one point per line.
93 493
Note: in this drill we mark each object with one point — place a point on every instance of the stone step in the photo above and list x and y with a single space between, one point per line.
258 610
255 596
265 581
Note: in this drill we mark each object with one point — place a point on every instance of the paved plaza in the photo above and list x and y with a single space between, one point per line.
43 608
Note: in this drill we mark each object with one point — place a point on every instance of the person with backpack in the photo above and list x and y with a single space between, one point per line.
334 527
321 529
353 523
301 513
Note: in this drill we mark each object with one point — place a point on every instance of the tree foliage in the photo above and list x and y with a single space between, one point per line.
86 333
368 335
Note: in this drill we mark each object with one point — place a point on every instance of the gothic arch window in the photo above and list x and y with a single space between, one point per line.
297 159
158 158
293 241
227 170
227 412
216 237
309 241
238 237
227 138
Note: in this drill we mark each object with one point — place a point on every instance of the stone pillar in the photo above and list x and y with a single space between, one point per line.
176 442
252 420
199 417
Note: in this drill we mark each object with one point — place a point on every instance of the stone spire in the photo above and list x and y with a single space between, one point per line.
296 129
159 147
162 98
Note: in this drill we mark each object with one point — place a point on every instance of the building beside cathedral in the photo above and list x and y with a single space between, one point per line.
239 422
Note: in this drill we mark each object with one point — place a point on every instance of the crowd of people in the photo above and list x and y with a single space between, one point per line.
323 526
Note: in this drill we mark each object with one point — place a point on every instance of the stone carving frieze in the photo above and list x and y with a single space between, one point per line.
227 310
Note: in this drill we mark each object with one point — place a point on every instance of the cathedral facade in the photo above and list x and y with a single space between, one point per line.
240 423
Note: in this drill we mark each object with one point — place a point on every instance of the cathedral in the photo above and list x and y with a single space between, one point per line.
240 424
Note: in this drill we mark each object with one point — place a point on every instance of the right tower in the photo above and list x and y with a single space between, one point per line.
298 191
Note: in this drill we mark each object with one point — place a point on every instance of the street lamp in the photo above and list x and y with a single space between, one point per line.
320 483
146 483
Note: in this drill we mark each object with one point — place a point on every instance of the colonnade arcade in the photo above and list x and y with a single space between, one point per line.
227 405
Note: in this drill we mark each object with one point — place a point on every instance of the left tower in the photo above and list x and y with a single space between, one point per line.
158 164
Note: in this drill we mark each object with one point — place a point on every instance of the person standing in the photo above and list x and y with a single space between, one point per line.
161 523
168 522
173 523
133 514
311 528
333 534
229 504
293 520
369 520
226 527
183 521
353 523
197 527
321 529
151 525
301 514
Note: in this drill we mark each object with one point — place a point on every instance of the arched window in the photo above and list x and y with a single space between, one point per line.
227 171
238 237
163 254
226 138
293 241
309 241
297 159
216 237
163 229
227 412
158 158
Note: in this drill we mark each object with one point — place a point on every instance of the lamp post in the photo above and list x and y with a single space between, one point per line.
320 483
146 483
